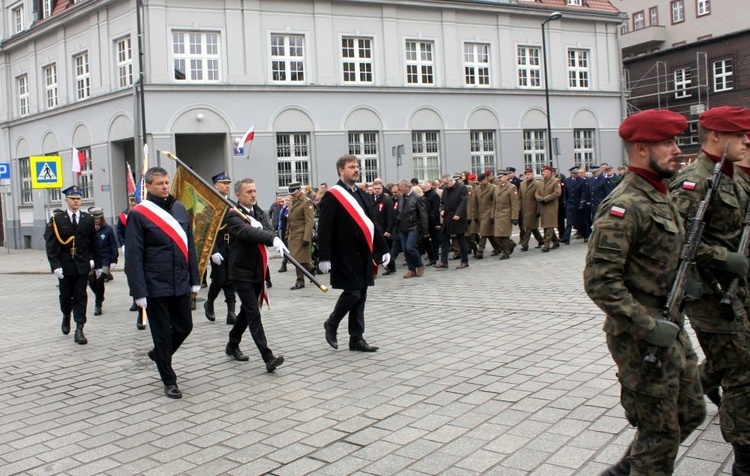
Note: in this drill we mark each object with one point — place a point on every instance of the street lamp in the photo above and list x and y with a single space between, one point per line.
552 16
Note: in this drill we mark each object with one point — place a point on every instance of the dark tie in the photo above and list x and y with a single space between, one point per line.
251 212
75 222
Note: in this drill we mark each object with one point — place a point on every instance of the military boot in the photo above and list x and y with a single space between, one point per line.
208 306
741 466
714 396
622 468
98 308
65 324
231 316
79 337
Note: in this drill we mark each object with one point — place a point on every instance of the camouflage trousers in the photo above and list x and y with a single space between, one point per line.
665 403
727 363
550 238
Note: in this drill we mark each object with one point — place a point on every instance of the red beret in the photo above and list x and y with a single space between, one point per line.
472 176
547 167
528 171
653 125
488 172
726 119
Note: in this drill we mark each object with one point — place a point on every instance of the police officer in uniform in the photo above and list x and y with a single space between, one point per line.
219 264
630 266
72 251
108 253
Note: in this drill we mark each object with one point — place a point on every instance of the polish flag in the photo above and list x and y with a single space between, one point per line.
131 182
246 139
618 212
78 160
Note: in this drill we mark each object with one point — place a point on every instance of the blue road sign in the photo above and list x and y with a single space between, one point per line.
4 170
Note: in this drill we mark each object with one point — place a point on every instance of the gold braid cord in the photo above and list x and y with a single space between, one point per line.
57 234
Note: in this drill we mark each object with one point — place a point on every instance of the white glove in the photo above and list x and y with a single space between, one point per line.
98 273
91 263
386 259
255 223
123 250
217 258
195 289
279 246
58 272
141 303
325 266
112 266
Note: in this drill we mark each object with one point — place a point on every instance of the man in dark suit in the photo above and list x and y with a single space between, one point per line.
72 251
248 264
219 264
455 198
162 271
350 246
383 213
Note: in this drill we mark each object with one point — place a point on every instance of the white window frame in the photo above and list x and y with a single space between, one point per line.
287 58
477 64
24 95
419 61
639 20
358 66
293 158
365 146
678 11
51 98
86 179
584 148
18 17
528 67
425 154
483 150
723 75
653 14
535 149
82 72
197 55
579 68
703 7
46 8
683 78
124 57
27 194
690 136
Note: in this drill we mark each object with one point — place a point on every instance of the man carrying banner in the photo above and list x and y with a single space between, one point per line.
347 243
162 270
248 264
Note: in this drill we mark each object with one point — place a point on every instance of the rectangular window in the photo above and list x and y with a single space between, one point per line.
723 75
19 20
293 157
678 11
528 67
704 7
47 8
27 196
639 21
690 136
583 148
578 69
482 151
476 64
82 75
534 149
425 153
22 83
682 81
624 28
577 3
288 58
420 63
50 86
124 51
357 60
364 145
653 14
86 179
195 56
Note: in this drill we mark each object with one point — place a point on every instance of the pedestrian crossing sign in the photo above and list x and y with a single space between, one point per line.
45 171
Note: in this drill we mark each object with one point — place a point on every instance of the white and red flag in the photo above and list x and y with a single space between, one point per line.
246 139
131 181
79 158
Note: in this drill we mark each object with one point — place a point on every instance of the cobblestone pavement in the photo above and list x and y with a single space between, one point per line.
498 369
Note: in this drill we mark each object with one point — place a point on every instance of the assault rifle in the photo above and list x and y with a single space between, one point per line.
727 309
672 309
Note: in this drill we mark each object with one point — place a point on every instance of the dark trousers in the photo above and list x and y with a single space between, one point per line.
445 242
73 296
395 247
97 286
409 242
170 322
215 287
300 275
352 302
249 317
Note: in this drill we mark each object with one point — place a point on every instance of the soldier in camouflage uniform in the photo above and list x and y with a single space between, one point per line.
631 263
724 341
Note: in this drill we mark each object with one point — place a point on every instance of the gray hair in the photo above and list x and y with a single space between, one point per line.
148 177
238 184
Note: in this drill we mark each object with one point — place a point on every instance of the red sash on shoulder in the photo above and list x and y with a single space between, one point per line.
355 211
166 223
264 256
124 218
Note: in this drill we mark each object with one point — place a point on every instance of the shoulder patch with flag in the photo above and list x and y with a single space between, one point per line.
687 185
616 211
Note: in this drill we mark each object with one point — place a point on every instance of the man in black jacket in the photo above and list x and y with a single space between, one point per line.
72 251
455 197
162 271
412 226
248 264
219 264
383 213
350 246
433 221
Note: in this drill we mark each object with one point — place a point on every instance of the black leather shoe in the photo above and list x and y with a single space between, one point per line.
139 324
555 246
524 248
65 327
297 286
208 306
133 307
231 319
331 335
192 306
273 363
362 346
152 354
389 271
282 269
79 338
269 284
97 310
236 354
172 391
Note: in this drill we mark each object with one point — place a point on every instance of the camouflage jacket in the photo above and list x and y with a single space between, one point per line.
633 255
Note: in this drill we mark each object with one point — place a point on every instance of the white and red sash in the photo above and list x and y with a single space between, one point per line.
354 210
124 218
166 223
264 257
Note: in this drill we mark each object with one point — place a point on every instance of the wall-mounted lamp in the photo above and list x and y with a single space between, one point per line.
199 116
